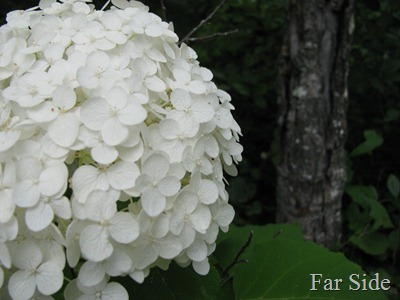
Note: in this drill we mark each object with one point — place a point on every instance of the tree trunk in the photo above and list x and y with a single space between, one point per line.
313 103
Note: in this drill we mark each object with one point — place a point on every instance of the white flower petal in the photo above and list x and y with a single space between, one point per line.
49 278
94 243
87 78
177 222
181 75
131 154
197 87
1 277
116 37
7 205
124 228
201 267
169 186
223 118
5 257
44 112
202 111
26 194
64 97
144 255
64 130
154 84
86 179
113 132
154 30
118 263
104 154
91 273
61 207
201 218
169 129
26 255
197 251
114 291
95 113
132 114
101 205
22 285
8 139
122 175
39 217
225 215
153 202
169 247
156 166
208 191
72 237
187 236
180 99
52 181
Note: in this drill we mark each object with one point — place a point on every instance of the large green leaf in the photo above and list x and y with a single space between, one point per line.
229 244
175 284
281 268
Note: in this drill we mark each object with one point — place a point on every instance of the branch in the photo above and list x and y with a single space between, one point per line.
105 5
203 22
164 10
202 38
237 260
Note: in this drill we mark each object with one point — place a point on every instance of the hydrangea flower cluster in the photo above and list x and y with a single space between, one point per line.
113 143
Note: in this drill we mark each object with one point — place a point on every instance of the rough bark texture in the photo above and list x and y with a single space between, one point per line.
313 102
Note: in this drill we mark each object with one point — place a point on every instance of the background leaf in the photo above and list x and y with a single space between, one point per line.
374 243
393 185
372 141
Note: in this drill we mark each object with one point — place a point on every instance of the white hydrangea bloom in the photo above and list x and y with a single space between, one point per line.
34 273
113 143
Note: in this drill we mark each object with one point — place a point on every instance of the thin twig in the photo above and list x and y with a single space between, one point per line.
164 10
202 38
237 259
105 5
280 231
203 22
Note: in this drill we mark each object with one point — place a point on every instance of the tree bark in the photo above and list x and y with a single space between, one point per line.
313 104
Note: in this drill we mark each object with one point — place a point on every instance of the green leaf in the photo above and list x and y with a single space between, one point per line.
392 114
363 195
372 141
229 244
367 198
393 185
175 284
380 216
374 243
281 268
226 291
357 219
